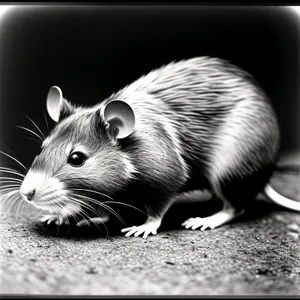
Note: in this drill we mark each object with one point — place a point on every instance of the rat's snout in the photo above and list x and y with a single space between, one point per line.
31 185
27 194
41 190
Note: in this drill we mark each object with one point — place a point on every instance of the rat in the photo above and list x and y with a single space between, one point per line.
196 124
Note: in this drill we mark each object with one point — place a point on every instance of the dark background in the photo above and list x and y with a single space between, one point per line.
92 51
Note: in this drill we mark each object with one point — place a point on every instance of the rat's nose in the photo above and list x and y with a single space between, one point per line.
28 195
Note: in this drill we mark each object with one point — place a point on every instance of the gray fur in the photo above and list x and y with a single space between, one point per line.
197 99
203 112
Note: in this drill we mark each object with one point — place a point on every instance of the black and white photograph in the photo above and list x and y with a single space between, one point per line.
149 150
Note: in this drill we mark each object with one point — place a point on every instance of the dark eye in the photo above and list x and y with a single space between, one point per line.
77 159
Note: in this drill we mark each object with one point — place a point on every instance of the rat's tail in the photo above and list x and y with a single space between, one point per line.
281 200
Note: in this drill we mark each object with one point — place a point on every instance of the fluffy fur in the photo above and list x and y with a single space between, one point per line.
200 123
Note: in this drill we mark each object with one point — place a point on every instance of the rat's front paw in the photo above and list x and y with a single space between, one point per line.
150 226
59 220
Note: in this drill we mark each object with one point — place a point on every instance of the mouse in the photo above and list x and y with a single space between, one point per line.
200 123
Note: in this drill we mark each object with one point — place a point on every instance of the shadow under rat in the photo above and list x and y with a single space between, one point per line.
172 221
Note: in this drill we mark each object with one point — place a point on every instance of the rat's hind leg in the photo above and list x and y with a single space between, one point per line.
224 187
239 164
237 194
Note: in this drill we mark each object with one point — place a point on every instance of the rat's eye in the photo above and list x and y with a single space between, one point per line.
77 159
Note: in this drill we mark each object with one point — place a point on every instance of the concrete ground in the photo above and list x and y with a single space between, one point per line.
257 254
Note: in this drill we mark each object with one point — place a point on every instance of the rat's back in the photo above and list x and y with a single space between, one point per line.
217 111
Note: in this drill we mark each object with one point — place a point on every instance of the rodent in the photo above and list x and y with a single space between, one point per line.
199 123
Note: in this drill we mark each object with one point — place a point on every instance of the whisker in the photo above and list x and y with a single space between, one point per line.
7 202
36 127
14 159
9 205
41 206
48 197
93 210
58 216
72 206
9 189
66 216
8 196
34 139
71 214
14 173
100 203
6 184
31 131
12 183
38 212
46 121
91 191
45 195
11 171
23 206
7 168
9 186
125 204
85 205
50 205
81 213
20 204
62 179
11 179
5 192
104 206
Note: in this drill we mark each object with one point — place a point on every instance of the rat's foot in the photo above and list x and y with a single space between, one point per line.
59 220
95 221
216 220
150 226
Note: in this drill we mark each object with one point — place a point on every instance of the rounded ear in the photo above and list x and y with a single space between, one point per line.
57 106
120 119
54 101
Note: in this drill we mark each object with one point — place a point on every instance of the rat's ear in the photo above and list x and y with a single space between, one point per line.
119 119
57 106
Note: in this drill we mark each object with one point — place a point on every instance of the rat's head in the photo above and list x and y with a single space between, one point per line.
80 161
